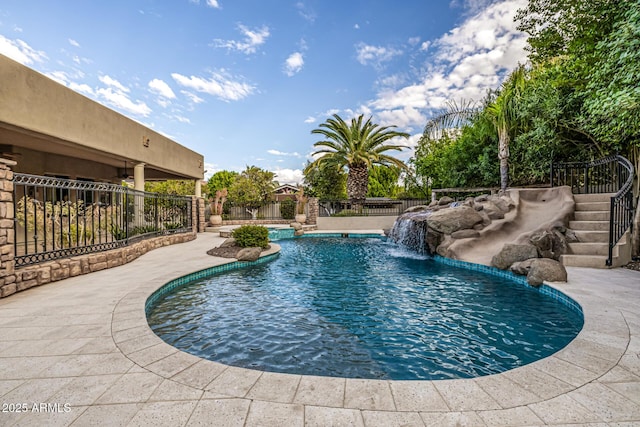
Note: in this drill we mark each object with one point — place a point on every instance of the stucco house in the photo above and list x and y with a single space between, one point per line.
49 129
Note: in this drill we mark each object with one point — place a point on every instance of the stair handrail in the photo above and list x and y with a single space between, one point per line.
612 174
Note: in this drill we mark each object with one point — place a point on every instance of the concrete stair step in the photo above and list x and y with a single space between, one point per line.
589 225
591 215
588 261
593 206
592 236
595 197
589 248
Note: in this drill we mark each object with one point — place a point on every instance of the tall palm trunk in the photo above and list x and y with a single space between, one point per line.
503 155
357 184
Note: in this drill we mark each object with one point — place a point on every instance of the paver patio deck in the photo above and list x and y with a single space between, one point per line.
84 343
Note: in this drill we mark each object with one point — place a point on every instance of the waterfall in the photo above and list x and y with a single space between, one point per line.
410 231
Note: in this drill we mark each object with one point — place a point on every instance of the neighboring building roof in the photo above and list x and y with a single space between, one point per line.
286 189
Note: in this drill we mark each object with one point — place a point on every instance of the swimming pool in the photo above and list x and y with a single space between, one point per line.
363 308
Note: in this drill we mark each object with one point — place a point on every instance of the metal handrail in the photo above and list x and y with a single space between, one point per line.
613 174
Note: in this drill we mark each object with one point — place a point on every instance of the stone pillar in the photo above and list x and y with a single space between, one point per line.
198 191
194 214
313 207
202 221
7 231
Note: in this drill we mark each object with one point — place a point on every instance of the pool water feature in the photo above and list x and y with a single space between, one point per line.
363 308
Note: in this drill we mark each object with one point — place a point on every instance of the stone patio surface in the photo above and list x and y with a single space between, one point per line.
79 352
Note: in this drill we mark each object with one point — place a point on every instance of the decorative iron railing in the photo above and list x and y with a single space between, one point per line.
371 207
57 218
613 174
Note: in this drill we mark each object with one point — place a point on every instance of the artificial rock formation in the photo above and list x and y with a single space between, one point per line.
522 225
539 270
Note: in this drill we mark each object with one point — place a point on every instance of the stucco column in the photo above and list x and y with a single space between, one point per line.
138 201
198 188
138 177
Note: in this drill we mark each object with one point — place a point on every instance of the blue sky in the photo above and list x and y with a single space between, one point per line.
244 82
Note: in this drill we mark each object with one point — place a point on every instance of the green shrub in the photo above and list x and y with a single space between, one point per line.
248 236
288 209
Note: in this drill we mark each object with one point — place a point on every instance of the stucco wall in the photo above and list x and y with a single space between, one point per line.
32 102
356 223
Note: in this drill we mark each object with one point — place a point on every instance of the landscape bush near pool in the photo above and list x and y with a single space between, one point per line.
363 308
251 236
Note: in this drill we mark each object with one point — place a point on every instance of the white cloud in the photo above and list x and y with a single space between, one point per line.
213 3
113 83
82 88
356 27
282 153
217 85
120 100
289 176
375 55
192 97
20 51
74 43
293 64
310 120
161 88
252 39
402 117
306 12
465 63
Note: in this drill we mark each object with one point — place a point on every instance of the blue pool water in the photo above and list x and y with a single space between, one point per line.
363 308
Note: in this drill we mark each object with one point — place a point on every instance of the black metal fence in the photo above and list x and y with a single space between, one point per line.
613 174
57 218
371 207
236 211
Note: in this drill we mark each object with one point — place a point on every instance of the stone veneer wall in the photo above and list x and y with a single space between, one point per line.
313 209
7 233
40 274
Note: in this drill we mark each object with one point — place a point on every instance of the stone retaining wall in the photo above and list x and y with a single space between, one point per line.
36 275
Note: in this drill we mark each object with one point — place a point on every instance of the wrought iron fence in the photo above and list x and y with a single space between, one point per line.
266 211
613 174
371 207
57 218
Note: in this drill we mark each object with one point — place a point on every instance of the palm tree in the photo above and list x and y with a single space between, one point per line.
501 111
356 146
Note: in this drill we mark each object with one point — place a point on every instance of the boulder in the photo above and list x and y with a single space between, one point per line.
296 226
512 253
482 198
230 242
549 243
445 200
465 234
433 239
248 254
500 203
417 208
492 210
450 220
298 232
570 236
539 270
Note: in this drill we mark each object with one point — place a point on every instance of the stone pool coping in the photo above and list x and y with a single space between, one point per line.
595 379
